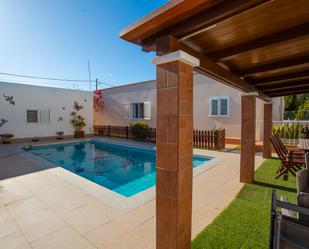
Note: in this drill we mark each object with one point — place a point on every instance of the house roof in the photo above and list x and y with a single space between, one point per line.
256 45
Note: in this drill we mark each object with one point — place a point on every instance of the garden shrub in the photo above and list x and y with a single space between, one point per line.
139 130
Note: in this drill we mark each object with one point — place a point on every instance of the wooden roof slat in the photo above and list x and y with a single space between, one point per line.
203 20
285 85
282 36
304 74
289 92
274 65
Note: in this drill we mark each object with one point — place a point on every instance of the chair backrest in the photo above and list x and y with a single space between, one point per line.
281 144
278 148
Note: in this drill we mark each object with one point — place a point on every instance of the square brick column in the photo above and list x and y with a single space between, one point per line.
267 130
247 155
174 150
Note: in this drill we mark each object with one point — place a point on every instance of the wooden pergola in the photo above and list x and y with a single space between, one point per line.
260 47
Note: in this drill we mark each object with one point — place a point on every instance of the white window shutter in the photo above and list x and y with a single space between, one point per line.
44 116
147 110
126 110
130 113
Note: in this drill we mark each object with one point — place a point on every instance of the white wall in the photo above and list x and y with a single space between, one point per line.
204 88
116 98
29 97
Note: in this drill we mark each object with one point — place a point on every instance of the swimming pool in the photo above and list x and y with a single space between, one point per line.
123 169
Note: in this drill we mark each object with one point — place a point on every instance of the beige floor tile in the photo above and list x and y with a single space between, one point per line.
113 212
94 202
147 230
85 219
54 179
40 224
128 240
199 222
33 181
14 241
138 216
66 198
24 207
65 238
12 190
115 236
7 224
104 235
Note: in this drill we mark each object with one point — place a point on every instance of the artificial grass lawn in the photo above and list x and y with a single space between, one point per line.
245 222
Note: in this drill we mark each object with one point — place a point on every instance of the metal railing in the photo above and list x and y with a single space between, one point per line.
289 130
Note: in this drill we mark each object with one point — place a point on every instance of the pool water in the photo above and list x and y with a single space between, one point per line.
123 169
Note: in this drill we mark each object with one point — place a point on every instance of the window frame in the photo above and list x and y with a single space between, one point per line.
37 116
219 98
140 111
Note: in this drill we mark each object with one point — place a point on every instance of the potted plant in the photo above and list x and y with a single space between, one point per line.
140 130
6 138
78 123
60 135
35 139
304 132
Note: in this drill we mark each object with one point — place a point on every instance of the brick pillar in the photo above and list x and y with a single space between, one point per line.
267 131
247 154
174 150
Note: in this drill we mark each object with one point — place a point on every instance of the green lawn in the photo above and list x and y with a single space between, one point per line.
245 222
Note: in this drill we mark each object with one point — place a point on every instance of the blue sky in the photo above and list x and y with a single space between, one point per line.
56 38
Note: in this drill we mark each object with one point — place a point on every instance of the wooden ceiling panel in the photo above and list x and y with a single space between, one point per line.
273 53
252 24
253 45
279 71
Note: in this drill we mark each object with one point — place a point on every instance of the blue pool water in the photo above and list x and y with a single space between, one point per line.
125 170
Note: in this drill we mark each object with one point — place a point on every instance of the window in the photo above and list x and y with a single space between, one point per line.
38 116
139 110
32 116
219 106
45 116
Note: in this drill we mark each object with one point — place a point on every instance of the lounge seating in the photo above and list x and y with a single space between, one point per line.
287 232
290 161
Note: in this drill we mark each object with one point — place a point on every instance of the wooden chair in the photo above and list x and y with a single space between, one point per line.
289 162
287 231
297 153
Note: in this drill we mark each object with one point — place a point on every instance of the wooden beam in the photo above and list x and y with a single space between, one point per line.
304 74
289 92
204 19
273 66
282 36
285 85
207 66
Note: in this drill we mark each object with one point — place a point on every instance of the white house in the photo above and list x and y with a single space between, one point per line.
215 105
29 111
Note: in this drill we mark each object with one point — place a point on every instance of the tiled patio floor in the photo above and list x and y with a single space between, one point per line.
46 211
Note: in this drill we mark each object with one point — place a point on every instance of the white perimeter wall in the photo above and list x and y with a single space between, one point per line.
115 99
29 97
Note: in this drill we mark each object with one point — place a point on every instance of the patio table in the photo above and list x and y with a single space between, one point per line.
303 144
